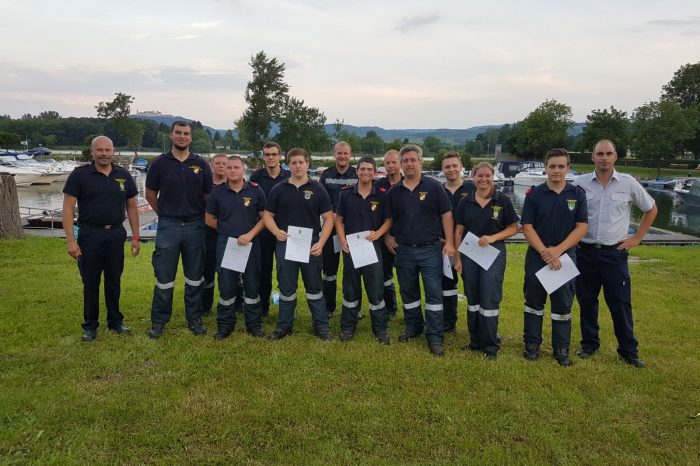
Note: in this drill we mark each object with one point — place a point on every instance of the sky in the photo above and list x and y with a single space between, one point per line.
394 64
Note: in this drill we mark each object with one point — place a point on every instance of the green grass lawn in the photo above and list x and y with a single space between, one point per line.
183 399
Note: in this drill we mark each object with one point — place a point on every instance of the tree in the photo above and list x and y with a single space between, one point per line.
604 124
266 95
684 88
659 130
302 126
228 139
201 141
372 143
431 145
337 128
118 111
27 116
8 140
49 115
544 128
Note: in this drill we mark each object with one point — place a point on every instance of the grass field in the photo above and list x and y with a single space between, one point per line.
182 399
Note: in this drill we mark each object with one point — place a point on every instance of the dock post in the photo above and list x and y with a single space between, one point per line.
10 222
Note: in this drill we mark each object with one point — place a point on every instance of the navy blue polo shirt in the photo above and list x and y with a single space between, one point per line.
552 215
468 188
300 207
101 198
334 182
383 184
361 214
236 212
265 181
181 186
489 220
417 214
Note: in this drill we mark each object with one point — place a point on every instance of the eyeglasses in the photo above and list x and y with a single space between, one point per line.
270 154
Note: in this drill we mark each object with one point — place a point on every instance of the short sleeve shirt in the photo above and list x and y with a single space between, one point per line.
468 188
236 212
181 186
300 207
333 182
609 208
417 214
552 215
361 214
489 220
265 181
101 198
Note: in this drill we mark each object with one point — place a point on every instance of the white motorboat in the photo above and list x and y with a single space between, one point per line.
689 191
535 176
23 175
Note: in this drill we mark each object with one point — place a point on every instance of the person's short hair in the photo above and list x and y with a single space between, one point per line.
557 152
391 152
178 123
97 138
411 148
342 143
367 159
602 141
453 154
236 157
218 156
297 151
273 144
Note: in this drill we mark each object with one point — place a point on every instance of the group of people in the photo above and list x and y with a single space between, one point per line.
415 224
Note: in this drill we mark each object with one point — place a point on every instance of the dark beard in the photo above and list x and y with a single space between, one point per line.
183 148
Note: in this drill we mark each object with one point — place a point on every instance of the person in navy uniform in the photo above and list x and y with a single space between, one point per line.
489 215
333 180
102 191
177 185
554 219
235 210
267 177
360 209
457 189
218 170
392 165
300 202
420 212
602 257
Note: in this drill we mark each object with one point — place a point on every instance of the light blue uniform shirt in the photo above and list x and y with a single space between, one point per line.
609 208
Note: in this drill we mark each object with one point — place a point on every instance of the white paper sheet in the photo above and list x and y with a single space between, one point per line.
447 263
236 256
337 247
482 256
361 249
298 244
552 280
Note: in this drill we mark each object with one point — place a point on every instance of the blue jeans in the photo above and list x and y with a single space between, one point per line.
411 263
176 237
288 280
228 283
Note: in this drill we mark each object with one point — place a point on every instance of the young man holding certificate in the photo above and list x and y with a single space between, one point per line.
235 210
292 214
487 215
554 220
360 223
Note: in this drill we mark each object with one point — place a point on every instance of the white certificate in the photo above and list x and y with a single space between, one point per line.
361 249
298 244
552 280
236 256
447 263
482 256
337 247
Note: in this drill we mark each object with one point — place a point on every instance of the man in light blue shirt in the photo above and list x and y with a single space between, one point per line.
602 257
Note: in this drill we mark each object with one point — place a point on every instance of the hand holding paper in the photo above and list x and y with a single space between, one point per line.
484 256
552 279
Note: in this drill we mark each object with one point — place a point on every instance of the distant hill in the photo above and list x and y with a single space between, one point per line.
452 136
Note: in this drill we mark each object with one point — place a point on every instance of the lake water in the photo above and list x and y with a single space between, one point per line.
673 214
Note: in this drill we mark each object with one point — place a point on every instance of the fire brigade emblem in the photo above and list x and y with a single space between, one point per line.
422 195
374 205
571 203
121 182
307 194
246 201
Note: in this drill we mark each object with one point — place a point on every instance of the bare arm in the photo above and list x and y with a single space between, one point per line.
375 235
152 199
340 231
448 227
211 221
68 214
132 213
644 225
270 224
253 232
504 234
317 249
551 255
459 233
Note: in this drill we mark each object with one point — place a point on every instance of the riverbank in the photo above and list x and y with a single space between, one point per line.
183 399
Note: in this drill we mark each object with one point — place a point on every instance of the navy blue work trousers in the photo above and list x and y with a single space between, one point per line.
372 276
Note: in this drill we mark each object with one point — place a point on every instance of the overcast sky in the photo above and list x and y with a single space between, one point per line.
395 64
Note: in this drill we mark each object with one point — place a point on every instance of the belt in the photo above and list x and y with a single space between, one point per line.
420 245
196 218
598 246
99 226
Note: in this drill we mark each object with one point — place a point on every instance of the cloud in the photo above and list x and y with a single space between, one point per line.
689 26
185 37
414 22
205 25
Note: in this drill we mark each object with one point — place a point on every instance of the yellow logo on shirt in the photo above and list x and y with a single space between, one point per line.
121 182
496 211
307 194
422 195
196 169
246 201
374 205
464 195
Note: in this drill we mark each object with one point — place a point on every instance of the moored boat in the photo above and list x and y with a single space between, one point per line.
689 191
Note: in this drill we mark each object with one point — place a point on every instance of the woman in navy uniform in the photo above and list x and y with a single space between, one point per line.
490 215
554 220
